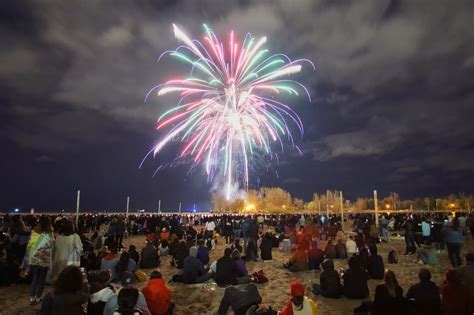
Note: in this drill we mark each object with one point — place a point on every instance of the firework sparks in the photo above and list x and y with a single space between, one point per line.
227 113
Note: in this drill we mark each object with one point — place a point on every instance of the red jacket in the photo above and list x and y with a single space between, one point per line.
158 296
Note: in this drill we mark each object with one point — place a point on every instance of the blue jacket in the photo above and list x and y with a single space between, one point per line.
203 254
452 236
192 268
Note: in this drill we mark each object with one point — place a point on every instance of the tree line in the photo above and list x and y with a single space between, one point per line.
277 200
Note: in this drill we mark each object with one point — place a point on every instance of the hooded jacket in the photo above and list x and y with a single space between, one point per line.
309 307
355 280
330 281
158 296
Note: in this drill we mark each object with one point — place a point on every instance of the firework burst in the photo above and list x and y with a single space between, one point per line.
227 114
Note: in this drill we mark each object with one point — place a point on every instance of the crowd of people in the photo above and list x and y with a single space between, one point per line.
92 273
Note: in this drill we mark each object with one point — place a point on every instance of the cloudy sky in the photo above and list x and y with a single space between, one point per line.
392 108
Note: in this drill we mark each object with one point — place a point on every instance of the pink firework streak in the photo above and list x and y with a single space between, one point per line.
227 113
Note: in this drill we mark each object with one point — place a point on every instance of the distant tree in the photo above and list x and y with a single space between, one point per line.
276 199
427 202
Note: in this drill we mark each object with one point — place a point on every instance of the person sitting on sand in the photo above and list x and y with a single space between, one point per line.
202 252
109 262
266 247
193 268
125 270
158 294
341 251
455 296
424 295
68 295
299 260
100 292
127 301
330 282
466 273
164 235
149 256
240 269
375 267
132 251
299 303
225 274
180 254
427 254
163 249
389 297
355 280
315 257
330 250
239 300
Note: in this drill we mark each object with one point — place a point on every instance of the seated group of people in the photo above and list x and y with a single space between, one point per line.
74 288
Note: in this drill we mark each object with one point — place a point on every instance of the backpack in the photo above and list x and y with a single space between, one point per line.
392 257
259 277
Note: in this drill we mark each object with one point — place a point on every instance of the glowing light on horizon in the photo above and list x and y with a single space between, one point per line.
227 115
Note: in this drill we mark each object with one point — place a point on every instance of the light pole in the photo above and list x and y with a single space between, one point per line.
78 200
376 209
128 207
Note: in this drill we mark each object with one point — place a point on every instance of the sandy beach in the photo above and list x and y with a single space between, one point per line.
205 299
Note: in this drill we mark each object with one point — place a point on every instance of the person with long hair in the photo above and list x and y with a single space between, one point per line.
19 237
40 253
125 270
67 248
69 294
299 303
389 296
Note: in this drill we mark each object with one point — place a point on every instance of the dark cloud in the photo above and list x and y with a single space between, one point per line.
393 86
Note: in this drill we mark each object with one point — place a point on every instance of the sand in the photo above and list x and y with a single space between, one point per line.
205 299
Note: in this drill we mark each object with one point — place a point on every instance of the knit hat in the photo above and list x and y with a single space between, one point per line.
297 289
193 251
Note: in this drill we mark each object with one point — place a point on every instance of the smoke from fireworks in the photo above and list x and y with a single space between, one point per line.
227 114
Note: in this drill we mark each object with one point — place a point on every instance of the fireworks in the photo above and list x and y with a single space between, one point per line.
227 113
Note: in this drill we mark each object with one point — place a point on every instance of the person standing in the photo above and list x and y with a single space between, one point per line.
40 252
425 230
120 232
67 249
384 229
454 241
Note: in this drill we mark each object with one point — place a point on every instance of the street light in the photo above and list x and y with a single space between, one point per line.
387 206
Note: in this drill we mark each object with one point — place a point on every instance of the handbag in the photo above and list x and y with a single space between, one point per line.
141 275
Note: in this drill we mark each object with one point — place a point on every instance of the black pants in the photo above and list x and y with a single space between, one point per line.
454 253
119 239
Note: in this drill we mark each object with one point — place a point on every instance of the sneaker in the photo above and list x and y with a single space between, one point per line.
32 301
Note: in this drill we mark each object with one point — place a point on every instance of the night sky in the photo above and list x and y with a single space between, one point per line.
392 108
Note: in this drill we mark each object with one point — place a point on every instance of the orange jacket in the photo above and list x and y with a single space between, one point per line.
158 296
165 235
